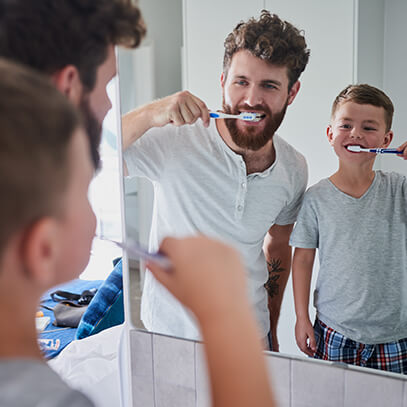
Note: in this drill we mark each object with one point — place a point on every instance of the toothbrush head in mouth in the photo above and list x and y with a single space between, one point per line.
355 148
252 116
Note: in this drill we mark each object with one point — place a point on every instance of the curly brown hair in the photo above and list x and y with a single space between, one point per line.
270 39
365 94
48 35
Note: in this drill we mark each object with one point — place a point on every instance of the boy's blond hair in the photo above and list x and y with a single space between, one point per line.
365 94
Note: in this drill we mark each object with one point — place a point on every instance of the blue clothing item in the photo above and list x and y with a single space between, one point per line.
106 308
333 346
53 339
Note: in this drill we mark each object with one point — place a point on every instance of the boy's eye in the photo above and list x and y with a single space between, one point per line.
369 129
345 126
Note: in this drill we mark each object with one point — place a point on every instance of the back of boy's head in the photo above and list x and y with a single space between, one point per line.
365 94
37 124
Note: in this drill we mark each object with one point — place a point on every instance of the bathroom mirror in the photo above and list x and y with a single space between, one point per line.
351 41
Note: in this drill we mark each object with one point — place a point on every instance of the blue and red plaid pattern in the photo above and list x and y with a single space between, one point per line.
333 346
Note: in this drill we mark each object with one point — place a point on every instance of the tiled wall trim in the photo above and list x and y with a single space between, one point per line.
172 372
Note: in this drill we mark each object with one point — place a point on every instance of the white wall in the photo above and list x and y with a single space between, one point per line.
394 81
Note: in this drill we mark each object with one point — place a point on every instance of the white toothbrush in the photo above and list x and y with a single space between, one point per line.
139 252
358 149
247 116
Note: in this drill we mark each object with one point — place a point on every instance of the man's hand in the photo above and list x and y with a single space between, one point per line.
179 109
304 335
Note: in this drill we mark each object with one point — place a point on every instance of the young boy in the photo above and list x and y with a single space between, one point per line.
357 219
46 231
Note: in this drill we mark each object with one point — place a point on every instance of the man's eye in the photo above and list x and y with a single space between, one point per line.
241 82
269 86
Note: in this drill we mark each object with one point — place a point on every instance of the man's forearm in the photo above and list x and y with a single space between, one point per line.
134 125
278 266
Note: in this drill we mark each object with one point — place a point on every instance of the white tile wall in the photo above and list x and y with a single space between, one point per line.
172 372
280 378
365 389
203 395
142 368
316 384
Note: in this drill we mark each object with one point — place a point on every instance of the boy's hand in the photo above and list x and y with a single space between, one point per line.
304 335
403 151
207 276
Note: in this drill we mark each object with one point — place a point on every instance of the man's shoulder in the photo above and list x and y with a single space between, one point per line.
288 152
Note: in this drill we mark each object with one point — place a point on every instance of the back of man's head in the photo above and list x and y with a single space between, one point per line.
37 124
50 35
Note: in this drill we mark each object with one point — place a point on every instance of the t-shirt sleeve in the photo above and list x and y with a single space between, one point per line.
148 155
306 232
289 213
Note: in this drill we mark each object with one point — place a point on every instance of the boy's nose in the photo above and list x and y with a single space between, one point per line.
354 133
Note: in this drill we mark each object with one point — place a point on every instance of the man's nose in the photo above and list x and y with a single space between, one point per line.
253 96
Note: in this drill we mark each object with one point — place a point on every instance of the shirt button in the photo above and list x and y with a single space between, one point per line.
243 184
240 208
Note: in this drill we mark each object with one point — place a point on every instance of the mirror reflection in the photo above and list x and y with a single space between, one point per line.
230 180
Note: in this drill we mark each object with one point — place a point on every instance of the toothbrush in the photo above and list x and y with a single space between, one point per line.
358 149
247 116
140 252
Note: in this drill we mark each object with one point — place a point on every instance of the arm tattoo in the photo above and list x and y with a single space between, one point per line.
271 285
273 266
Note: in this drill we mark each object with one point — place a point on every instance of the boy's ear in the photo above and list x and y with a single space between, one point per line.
388 137
40 250
330 134
293 92
68 82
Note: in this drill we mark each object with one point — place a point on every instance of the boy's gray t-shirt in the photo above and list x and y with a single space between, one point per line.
361 290
32 383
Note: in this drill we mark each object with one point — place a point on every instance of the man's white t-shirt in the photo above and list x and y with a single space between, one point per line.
201 186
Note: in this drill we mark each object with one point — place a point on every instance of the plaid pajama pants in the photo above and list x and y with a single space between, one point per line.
333 346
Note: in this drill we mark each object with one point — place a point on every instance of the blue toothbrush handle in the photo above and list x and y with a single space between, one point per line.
388 151
214 115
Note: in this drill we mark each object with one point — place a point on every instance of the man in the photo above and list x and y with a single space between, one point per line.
232 179
73 42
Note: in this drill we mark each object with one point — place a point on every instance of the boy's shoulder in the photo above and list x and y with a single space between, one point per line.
392 177
320 187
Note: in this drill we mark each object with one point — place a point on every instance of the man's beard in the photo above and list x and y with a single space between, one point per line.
93 129
252 138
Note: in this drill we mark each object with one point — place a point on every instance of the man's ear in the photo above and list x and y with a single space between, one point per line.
40 250
222 79
68 82
293 92
388 138
330 135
